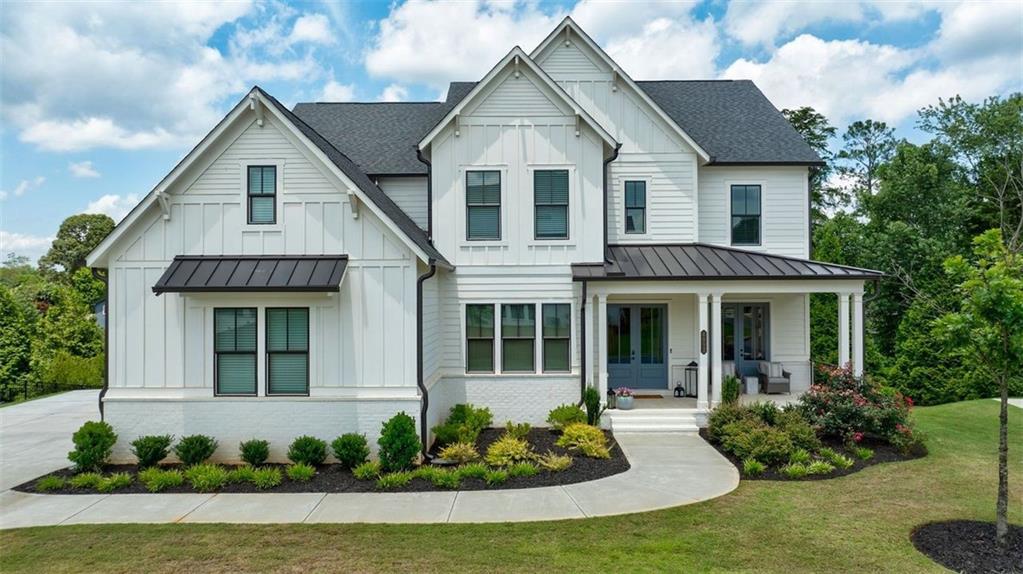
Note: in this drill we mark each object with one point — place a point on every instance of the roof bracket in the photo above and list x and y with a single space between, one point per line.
256 106
578 124
353 201
614 80
161 197
516 63
454 120
568 36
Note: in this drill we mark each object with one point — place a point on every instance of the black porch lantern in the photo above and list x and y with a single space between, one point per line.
612 399
692 373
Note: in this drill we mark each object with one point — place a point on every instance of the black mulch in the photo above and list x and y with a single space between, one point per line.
332 478
969 547
883 452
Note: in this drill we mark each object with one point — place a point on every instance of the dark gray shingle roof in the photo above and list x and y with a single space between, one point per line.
381 137
366 185
225 273
732 121
692 261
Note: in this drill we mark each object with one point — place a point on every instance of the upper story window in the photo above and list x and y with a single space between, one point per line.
262 194
479 335
550 203
746 215
483 205
234 351
287 351
635 207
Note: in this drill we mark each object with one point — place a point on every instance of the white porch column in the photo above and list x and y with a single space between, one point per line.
591 343
843 329
602 345
702 342
857 334
715 349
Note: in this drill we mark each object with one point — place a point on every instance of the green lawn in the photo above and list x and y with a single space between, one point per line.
857 523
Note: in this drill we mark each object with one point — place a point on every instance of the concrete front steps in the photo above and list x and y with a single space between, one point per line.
656 420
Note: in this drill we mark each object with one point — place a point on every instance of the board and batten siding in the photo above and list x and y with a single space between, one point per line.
516 144
784 207
410 195
361 337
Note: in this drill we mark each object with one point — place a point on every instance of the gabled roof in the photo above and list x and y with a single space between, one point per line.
514 57
247 273
733 121
380 137
365 189
569 24
701 261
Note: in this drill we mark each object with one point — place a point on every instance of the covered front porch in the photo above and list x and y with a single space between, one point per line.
660 317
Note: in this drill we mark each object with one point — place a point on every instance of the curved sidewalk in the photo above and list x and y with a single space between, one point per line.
667 470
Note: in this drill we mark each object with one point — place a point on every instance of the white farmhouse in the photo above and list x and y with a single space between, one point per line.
553 226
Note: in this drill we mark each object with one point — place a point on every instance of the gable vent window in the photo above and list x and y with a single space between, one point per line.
234 351
287 351
635 207
483 205
262 194
745 215
550 196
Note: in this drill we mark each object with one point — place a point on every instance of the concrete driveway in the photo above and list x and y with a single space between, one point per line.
35 436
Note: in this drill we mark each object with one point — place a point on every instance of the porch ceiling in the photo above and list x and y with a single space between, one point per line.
700 261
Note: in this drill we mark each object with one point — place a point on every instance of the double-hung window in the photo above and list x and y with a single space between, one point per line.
262 194
745 215
287 351
483 205
234 349
635 207
479 338
518 338
550 203
557 323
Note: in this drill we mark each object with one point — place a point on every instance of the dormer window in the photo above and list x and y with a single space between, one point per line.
262 194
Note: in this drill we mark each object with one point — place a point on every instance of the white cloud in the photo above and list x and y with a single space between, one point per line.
333 91
31 246
132 76
24 186
394 93
314 28
83 169
668 49
116 206
753 23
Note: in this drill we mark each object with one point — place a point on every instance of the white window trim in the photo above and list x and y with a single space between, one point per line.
537 339
463 240
573 204
625 237
243 169
728 212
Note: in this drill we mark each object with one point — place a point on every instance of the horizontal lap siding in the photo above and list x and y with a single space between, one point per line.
410 195
670 197
363 336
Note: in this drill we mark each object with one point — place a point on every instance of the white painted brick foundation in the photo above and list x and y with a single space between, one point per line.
232 421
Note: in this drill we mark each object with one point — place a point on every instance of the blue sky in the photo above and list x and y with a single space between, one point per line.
100 100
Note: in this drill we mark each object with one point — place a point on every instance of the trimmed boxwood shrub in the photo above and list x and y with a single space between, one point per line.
464 424
254 452
399 443
351 450
307 450
563 415
93 443
750 438
195 449
150 450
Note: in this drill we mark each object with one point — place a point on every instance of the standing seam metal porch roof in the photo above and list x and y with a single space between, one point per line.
282 273
696 261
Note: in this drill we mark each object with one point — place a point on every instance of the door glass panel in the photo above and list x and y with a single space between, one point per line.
727 333
619 340
747 332
651 335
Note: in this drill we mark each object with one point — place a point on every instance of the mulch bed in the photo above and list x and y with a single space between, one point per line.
969 547
332 478
883 452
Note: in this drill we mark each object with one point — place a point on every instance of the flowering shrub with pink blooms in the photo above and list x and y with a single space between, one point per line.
852 408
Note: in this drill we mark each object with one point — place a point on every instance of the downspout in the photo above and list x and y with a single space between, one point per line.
425 402
100 275
582 346
614 156
429 194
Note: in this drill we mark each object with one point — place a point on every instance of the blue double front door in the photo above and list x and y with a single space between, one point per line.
637 346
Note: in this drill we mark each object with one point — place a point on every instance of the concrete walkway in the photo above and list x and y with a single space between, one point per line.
1018 402
667 470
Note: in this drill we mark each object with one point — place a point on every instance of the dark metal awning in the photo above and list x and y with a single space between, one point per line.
244 273
700 261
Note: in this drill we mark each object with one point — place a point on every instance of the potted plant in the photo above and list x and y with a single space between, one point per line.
624 398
